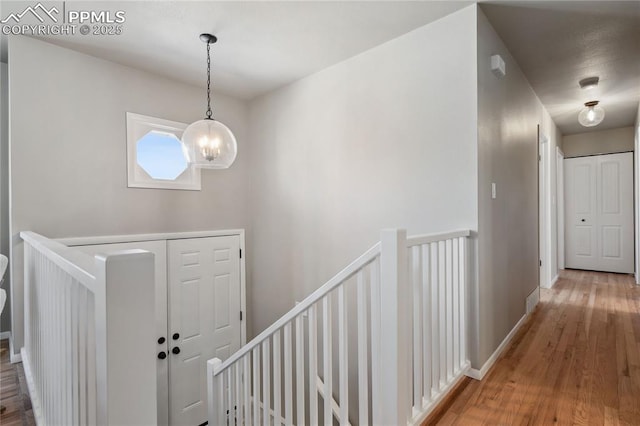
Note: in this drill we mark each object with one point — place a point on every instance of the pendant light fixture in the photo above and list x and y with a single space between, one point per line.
591 115
208 143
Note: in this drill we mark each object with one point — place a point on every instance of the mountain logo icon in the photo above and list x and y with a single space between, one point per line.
39 11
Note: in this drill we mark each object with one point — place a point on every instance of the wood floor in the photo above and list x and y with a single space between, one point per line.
14 396
575 361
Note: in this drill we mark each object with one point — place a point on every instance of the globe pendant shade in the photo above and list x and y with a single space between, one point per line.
209 144
591 115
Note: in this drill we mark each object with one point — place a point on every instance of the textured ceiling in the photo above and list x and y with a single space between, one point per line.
558 43
262 45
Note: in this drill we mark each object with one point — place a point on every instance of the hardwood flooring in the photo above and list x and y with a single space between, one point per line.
575 361
14 395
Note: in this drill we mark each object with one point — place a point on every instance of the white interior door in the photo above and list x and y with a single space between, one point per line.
204 318
159 249
599 213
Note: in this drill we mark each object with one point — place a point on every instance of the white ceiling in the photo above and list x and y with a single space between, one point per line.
266 44
558 43
261 45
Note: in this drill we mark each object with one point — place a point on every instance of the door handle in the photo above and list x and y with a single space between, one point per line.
175 350
176 336
581 220
162 355
161 340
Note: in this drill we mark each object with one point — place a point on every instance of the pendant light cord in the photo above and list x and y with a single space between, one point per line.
209 113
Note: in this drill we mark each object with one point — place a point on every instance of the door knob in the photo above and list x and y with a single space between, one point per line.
581 220
176 336
161 340
162 355
176 350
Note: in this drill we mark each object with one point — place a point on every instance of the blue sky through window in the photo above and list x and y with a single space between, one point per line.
161 156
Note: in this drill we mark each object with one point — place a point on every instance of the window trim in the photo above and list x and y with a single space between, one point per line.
137 127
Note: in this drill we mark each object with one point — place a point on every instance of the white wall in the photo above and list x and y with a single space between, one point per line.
5 320
68 152
508 115
384 139
601 142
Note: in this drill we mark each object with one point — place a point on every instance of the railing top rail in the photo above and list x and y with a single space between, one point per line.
75 263
314 297
432 238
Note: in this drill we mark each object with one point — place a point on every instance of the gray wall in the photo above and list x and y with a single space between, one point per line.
384 139
602 142
5 320
508 115
68 152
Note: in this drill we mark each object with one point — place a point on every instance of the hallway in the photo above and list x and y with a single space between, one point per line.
575 361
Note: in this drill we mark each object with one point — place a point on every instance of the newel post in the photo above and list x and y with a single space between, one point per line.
125 339
391 381
215 393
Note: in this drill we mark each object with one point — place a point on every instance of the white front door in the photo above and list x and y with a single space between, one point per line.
204 318
599 213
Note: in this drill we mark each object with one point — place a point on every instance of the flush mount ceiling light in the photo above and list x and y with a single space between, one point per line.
589 82
591 115
208 143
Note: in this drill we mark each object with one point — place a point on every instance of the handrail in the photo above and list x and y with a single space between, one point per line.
314 297
417 240
75 263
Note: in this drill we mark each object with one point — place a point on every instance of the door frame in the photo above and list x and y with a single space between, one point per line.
634 202
560 205
544 208
636 193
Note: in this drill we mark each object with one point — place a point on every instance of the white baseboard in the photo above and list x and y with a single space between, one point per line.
5 335
14 357
33 395
479 374
554 281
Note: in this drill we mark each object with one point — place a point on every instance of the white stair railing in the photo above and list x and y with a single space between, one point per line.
438 278
401 289
88 355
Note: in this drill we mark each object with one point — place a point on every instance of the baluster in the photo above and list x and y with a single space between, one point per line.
288 383
246 384
425 281
256 386
83 379
376 325
416 283
276 379
463 297
300 369
363 372
238 388
449 309
456 307
442 320
313 367
435 317
92 384
327 370
343 351
230 403
266 383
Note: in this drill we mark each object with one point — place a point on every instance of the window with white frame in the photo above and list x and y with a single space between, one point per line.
155 155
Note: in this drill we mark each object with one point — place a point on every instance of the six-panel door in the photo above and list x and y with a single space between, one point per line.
599 213
204 318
